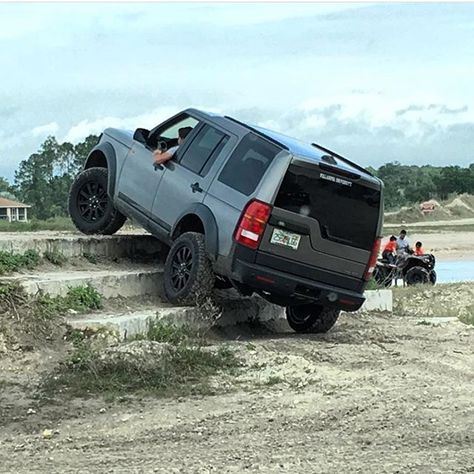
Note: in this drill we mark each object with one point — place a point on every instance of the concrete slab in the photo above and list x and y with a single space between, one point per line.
235 311
378 300
110 283
143 246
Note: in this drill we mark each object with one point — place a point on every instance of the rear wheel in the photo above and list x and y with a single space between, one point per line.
311 318
188 277
417 276
91 209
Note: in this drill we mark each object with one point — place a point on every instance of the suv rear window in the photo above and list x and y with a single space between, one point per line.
248 163
347 214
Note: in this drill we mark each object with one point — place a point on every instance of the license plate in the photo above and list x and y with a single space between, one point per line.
285 238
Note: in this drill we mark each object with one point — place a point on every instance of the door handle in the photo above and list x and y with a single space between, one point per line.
196 188
157 166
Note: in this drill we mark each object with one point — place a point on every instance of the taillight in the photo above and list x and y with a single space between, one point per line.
252 224
373 259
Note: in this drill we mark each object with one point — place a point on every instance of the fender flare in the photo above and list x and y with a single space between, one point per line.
210 227
108 151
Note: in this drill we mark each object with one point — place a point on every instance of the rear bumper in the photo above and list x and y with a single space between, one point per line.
285 289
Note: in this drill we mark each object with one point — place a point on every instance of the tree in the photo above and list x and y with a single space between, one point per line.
44 179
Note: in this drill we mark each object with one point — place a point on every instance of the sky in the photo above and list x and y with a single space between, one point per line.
374 82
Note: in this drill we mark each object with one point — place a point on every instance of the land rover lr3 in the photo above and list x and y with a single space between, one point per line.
240 206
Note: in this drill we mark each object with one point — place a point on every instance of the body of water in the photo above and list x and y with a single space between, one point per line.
456 271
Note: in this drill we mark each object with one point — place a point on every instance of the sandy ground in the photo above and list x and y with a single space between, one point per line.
445 245
377 394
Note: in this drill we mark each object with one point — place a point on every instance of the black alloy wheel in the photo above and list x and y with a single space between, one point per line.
181 267
92 201
91 209
188 277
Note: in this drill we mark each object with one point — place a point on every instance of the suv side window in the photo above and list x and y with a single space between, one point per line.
248 163
203 150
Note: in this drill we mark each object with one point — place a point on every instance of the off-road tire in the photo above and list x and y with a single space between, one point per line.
433 277
311 318
200 279
110 221
417 276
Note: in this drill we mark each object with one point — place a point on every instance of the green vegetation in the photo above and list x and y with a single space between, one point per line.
160 331
12 262
35 225
55 257
44 178
468 316
32 320
91 258
441 300
406 185
170 361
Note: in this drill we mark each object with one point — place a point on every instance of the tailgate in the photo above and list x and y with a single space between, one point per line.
323 224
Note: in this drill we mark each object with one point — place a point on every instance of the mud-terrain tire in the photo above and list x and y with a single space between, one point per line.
417 276
188 276
311 318
433 277
90 207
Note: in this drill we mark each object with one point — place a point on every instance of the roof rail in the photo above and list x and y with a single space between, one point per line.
345 160
258 132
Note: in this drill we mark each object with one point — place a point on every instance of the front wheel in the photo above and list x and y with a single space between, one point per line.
311 318
188 276
433 277
91 209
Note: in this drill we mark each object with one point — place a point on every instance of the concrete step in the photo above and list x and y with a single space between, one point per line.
235 310
132 323
132 246
110 283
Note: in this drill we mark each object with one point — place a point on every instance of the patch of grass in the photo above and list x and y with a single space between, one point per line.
91 258
12 262
273 380
56 223
373 285
182 370
468 316
160 331
38 319
55 257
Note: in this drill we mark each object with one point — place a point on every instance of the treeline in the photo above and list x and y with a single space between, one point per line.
405 184
43 180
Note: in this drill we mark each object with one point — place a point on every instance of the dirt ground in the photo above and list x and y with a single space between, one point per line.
377 394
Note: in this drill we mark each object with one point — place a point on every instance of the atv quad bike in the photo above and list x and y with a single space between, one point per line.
412 269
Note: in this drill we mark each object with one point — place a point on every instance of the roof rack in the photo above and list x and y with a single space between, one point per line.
345 160
258 132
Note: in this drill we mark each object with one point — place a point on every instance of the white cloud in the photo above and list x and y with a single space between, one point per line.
147 120
47 129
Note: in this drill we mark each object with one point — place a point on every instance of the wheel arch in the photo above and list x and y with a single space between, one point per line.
103 156
198 218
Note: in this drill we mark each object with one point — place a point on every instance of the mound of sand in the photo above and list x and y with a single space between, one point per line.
460 207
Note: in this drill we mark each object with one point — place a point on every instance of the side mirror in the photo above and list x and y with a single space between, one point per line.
141 135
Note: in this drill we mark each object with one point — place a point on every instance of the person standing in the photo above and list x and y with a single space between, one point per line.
403 244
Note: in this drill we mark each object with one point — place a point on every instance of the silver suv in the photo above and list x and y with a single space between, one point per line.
240 206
